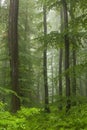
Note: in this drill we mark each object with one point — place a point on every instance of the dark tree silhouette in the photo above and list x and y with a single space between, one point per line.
13 52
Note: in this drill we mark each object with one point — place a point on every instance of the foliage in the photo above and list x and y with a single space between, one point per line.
31 48
36 119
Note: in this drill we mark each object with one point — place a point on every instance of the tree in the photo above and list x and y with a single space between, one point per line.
67 53
52 76
13 53
74 47
45 60
60 62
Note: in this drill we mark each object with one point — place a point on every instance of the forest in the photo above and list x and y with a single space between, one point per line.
43 64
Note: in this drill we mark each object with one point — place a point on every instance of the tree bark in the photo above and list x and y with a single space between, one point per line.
67 53
52 70
45 60
74 75
73 55
13 52
60 62
60 72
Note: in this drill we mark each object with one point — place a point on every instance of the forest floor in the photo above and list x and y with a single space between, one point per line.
37 119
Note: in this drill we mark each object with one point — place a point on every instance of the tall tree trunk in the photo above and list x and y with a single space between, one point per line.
74 75
67 53
13 52
60 62
38 90
73 55
80 85
45 60
60 77
52 76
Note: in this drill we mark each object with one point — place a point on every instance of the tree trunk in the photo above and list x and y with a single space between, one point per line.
60 77
60 63
73 55
52 75
13 52
45 60
74 75
67 53
80 85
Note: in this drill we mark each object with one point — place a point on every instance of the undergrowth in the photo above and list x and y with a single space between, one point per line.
37 119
